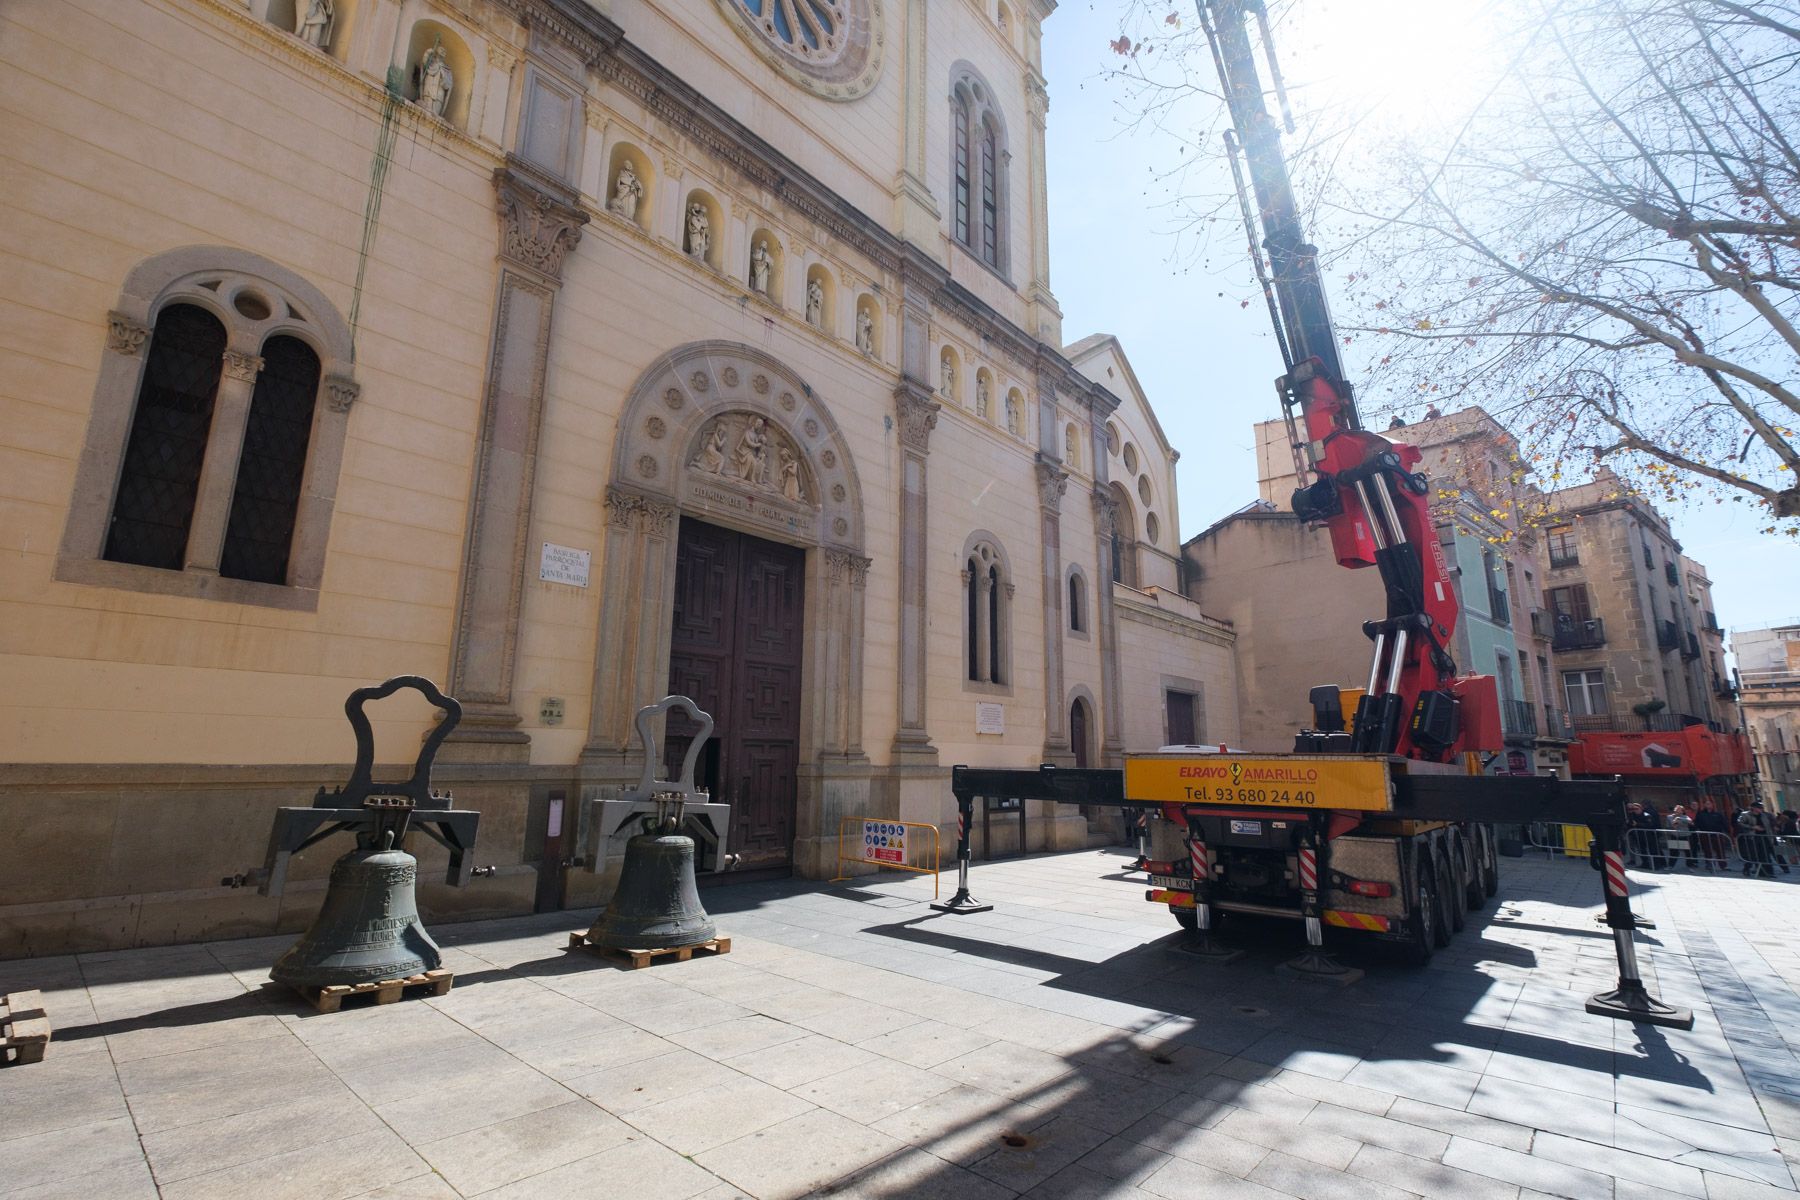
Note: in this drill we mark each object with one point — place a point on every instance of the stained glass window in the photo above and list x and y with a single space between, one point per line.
160 475
266 498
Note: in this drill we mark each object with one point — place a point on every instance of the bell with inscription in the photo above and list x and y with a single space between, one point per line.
368 928
657 905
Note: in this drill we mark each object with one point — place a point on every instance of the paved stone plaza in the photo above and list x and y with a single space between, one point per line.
856 1044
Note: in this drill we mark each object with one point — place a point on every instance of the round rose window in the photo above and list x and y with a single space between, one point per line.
832 47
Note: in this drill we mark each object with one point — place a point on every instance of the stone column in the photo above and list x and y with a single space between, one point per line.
1053 481
637 604
917 414
540 222
1106 627
219 468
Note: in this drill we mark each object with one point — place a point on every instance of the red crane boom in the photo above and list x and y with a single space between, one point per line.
1365 490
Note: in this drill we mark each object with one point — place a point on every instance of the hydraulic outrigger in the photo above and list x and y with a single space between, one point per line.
1400 788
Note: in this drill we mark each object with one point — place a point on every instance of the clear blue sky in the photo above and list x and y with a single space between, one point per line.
1117 266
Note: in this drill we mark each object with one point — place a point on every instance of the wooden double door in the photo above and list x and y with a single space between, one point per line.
736 651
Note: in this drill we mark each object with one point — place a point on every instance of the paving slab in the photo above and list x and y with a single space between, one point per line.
857 1044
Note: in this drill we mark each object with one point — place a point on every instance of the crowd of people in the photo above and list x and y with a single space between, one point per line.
1703 838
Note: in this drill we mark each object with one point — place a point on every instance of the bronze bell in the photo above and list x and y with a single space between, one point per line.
368 928
656 905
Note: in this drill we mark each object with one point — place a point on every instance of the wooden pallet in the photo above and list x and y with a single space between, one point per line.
638 959
24 1029
385 991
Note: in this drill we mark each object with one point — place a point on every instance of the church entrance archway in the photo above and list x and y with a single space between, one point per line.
725 437
735 650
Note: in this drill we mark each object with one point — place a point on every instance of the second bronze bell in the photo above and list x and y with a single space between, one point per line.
657 905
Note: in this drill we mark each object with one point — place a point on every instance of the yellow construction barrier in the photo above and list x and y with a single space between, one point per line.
886 844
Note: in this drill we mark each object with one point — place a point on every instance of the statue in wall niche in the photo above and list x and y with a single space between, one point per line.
1071 448
760 263
435 80
865 331
790 475
751 461
711 458
1013 416
815 303
699 230
313 24
628 190
947 376
983 402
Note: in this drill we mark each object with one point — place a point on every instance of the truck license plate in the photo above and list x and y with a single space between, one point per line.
1253 828
1175 883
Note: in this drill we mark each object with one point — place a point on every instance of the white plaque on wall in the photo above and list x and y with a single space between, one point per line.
990 718
564 564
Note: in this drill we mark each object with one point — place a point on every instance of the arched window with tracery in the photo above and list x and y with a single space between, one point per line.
216 434
987 596
978 169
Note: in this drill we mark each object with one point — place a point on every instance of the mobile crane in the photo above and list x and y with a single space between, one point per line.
1385 826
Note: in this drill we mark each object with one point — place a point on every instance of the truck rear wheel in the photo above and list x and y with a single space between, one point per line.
1421 925
1487 868
1441 902
1478 850
1187 918
1454 890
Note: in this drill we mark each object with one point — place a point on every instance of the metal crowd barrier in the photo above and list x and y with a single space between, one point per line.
1694 850
1558 840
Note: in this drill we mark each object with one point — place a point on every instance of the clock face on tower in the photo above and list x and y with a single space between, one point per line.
830 47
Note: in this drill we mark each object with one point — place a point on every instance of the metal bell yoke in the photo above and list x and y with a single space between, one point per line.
368 927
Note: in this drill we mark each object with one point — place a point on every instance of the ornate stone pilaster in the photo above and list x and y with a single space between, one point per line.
918 211
917 414
839 690
631 658
1052 482
540 222
1106 625
1037 289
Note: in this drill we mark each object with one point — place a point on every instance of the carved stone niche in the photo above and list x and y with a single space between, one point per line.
744 460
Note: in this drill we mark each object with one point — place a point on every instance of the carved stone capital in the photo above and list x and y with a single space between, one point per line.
341 393
1106 513
622 508
538 228
1037 98
918 415
501 56
1053 481
124 335
239 365
658 516
841 566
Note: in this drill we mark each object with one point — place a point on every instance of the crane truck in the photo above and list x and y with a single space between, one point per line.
1379 821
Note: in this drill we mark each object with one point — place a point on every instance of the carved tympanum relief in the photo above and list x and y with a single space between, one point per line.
744 447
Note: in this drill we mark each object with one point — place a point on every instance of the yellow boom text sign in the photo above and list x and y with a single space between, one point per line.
1358 784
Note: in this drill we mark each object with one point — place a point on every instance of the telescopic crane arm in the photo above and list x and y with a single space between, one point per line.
1365 490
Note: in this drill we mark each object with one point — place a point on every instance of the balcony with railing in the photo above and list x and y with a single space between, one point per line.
1668 635
1712 622
1571 634
1723 688
1540 623
1690 646
1518 719
1557 724
1570 557
1671 574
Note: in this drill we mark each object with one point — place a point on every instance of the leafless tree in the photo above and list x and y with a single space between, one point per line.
1604 250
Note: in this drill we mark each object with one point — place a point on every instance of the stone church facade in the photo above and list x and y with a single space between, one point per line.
566 353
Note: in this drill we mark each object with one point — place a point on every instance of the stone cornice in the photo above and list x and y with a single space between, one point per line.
577 25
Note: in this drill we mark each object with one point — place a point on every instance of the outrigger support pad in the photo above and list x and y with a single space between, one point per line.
962 901
1630 1001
